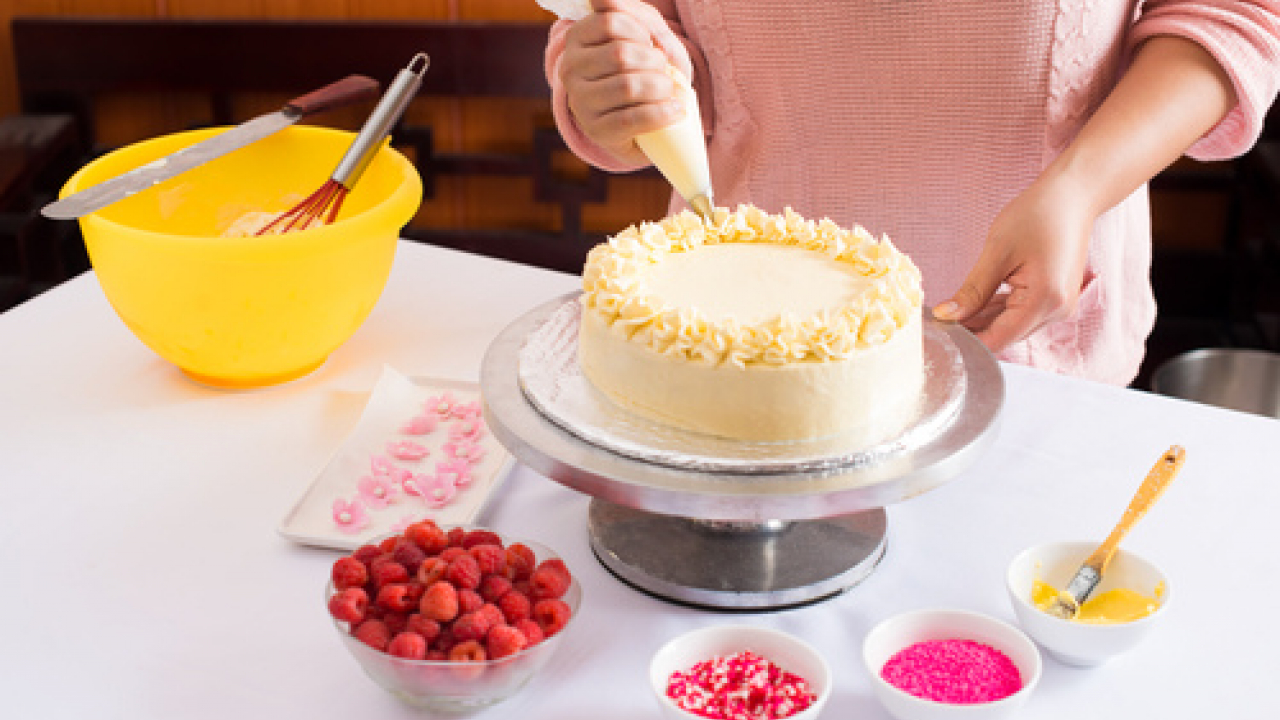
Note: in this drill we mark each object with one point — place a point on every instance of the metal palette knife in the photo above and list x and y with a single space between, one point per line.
343 92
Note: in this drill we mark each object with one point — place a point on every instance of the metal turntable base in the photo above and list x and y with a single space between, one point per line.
745 566
743 538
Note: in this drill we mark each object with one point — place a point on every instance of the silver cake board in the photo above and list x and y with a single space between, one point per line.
707 529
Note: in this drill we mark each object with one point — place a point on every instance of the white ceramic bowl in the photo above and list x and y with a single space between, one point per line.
1076 643
902 631
787 651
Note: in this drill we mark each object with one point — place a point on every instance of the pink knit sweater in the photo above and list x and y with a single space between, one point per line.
921 120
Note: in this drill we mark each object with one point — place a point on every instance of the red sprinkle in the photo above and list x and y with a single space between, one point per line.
743 686
960 672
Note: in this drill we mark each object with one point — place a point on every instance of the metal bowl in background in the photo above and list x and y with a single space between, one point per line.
1233 378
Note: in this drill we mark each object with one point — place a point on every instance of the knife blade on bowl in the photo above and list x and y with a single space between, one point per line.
343 92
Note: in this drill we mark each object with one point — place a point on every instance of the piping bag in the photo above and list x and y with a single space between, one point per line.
679 151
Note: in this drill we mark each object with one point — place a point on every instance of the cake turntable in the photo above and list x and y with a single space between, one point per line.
721 524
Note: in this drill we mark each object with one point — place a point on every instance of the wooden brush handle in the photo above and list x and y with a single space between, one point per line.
344 92
1162 473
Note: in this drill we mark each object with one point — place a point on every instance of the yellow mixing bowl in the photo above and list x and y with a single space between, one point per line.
246 312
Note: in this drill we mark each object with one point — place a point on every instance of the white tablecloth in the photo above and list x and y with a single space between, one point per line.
142 575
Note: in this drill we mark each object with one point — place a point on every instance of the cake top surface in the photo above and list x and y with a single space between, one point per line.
752 283
751 287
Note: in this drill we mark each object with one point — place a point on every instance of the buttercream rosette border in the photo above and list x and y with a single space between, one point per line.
615 289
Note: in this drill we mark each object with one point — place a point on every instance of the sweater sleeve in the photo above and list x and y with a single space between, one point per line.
1244 37
666 35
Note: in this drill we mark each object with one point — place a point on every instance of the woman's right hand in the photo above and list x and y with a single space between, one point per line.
614 72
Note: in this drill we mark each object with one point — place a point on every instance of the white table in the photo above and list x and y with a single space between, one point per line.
142 576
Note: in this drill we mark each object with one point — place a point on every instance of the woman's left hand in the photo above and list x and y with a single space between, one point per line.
1031 269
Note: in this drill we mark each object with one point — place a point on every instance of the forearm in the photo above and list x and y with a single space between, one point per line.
1172 94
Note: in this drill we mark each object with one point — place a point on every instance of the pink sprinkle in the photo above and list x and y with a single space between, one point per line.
959 672
743 686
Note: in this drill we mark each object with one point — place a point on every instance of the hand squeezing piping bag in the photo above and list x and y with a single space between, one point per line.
679 151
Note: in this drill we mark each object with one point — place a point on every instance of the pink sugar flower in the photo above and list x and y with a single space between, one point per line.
410 486
464 450
440 405
420 424
378 491
407 450
436 491
350 516
468 429
457 471
383 467
467 411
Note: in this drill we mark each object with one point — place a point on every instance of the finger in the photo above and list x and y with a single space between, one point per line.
639 119
642 22
600 61
604 28
1022 315
974 292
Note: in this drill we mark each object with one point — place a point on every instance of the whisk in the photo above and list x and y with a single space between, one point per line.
322 206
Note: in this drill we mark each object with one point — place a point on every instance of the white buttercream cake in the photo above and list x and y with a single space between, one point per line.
753 326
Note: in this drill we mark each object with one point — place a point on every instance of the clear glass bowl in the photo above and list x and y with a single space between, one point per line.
459 687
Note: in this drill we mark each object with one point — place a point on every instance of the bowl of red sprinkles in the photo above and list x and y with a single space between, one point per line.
935 664
739 672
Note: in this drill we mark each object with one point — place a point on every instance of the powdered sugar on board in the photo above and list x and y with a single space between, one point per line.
419 450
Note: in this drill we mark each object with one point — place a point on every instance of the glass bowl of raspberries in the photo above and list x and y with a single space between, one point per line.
452 619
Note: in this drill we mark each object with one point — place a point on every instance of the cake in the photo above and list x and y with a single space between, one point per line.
754 326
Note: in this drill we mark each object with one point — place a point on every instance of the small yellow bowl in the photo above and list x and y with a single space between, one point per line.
248 311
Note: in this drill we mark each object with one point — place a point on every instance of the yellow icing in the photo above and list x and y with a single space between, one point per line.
637 283
1119 605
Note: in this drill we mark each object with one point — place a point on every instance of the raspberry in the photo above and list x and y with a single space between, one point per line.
471 626
389 544
515 607
431 570
349 572
451 553
493 587
551 615
469 601
445 641
531 631
435 655
409 555
504 641
426 627
492 615
373 633
409 645
455 536
366 553
396 622
547 583
390 571
464 573
349 605
469 651
426 534
480 537
555 564
520 561
399 597
492 559
439 602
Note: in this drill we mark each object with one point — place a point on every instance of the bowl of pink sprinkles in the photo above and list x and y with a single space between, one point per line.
739 672
938 664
